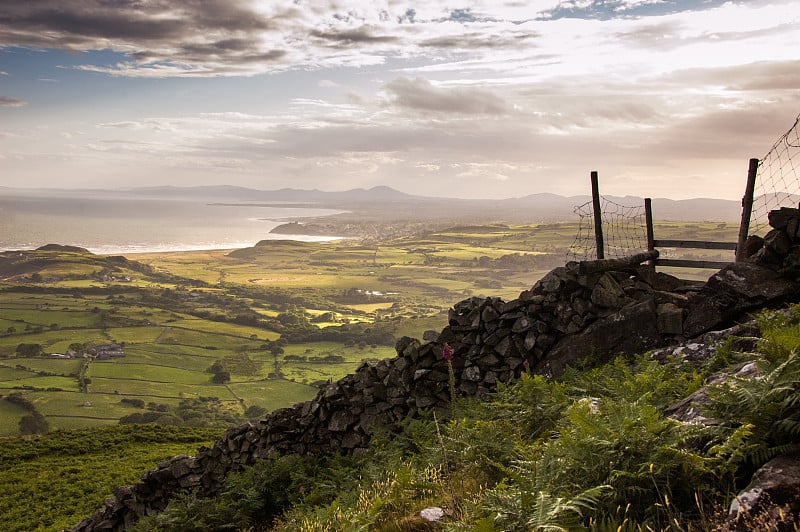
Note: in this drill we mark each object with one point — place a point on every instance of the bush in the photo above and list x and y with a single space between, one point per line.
138 403
29 350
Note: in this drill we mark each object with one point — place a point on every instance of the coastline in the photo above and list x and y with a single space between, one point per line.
150 248
121 226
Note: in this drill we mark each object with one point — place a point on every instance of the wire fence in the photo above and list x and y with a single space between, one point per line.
777 181
625 227
624 230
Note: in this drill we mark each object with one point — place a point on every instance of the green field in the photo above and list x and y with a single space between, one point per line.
52 482
297 314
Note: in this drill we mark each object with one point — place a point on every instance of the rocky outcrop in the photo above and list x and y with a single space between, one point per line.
772 499
591 309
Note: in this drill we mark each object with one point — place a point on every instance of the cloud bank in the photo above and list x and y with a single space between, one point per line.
668 98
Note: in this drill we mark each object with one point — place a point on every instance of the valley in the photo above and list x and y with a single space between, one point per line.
212 338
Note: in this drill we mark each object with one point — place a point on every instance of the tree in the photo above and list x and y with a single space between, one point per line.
221 378
29 350
34 423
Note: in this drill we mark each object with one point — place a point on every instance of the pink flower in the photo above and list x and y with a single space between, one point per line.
447 352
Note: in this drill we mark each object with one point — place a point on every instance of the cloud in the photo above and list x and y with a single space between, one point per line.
420 95
353 37
214 37
8 101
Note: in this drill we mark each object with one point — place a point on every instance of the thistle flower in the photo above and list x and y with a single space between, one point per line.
447 352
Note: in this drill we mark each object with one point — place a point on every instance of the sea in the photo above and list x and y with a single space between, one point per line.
122 225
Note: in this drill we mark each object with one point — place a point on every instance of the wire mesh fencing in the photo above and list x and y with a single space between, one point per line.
777 180
624 230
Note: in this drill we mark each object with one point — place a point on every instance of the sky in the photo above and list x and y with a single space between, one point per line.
451 98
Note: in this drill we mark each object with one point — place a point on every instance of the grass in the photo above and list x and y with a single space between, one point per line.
14 373
10 414
42 383
229 329
166 390
135 335
181 357
119 369
196 338
273 393
58 366
51 483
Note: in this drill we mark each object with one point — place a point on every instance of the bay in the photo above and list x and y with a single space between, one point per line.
118 225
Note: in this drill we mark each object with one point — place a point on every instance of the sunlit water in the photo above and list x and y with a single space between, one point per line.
115 225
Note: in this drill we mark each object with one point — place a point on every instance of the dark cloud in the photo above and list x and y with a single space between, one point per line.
472 40
362 35
8 101
212 34
419 94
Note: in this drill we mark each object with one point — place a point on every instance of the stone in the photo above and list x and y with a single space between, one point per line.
503 348
473 373
669 319
530 340
489 314
433 514
522 324
731 291
773 489
425 401
340 421
581 306
778 242
752 245
779 219
629 330
607 292
430 336
552 281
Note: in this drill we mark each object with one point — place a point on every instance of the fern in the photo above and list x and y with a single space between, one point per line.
515 509
767 404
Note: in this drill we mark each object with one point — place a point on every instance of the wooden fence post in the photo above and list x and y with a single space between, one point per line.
648 220
598 217
747 209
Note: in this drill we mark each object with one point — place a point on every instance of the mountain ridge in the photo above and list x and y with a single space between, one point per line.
537 206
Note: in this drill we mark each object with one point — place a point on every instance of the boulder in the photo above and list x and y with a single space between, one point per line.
629 330
736 288
669 319
772 498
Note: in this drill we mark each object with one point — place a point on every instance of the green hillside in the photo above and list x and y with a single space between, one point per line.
589 451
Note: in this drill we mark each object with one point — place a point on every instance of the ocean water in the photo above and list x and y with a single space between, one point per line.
123 225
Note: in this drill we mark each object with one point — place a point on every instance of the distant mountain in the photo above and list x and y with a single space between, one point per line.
228 192
387 202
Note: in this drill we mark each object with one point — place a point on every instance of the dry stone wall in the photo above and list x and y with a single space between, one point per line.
595 309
